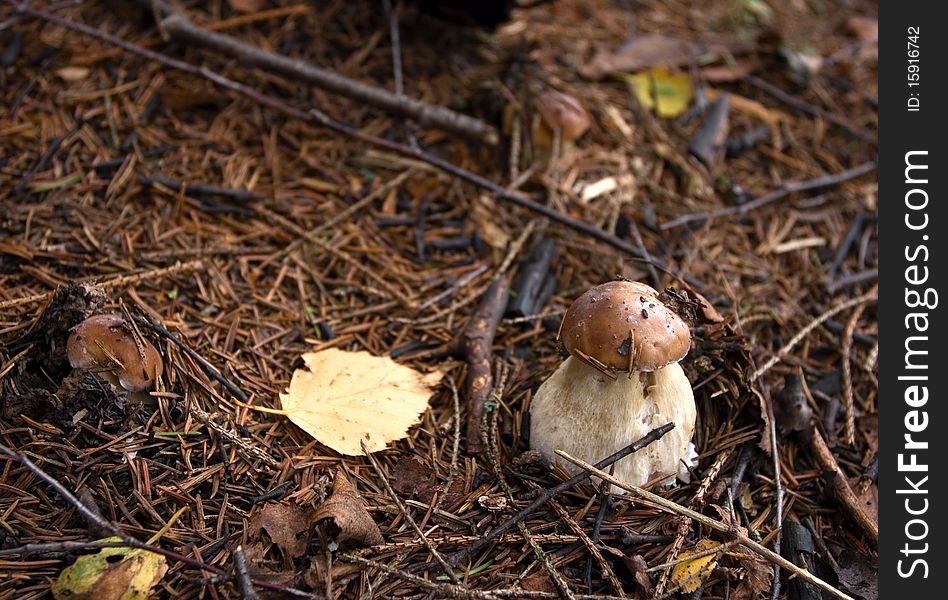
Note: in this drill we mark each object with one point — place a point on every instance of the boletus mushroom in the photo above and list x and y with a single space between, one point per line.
108 345
621 380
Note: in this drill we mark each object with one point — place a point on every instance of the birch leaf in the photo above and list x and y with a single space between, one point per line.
117 573
343 398
666 93
689 575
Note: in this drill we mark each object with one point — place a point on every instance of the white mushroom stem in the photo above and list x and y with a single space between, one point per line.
588 415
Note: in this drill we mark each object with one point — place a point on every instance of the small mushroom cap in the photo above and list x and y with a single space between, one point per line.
623 326
564 112
107 344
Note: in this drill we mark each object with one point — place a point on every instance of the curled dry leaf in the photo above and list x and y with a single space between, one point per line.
344 509
286 524
111 574
343 398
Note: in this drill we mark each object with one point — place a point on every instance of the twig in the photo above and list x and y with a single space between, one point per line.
474 345
849 431
179 26
199 189
316 117
244 583
707 522
806 107
784 190
852 279
554 491
407 516
867 297
455 446
207 367
845 493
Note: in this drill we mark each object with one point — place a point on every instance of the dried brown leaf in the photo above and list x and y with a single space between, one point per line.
345 510
411 476
648 51
286 524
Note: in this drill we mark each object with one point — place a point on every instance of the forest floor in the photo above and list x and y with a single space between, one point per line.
243 227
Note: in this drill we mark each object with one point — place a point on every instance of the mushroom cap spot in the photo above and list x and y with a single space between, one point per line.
604 321
107 343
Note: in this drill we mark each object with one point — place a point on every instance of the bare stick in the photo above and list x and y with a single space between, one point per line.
845 493
474 344
846 358
179 26
781 192
554 491
244 584
707 522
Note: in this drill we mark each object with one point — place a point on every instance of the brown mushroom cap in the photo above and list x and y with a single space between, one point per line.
623 326
106 343
564 112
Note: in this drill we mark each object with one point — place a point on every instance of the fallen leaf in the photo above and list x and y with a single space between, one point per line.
639 569
286 524
666 93
345 510
111 574
653 50
344 398
758 575
689 575
412 475
857 575
247 7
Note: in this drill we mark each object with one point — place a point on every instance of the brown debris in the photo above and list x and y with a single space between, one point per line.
346 511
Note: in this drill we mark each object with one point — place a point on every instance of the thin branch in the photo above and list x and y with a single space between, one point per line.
180 27
707 522
781 192
845 493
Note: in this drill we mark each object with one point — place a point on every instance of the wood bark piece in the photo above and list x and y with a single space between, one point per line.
473 345
180 27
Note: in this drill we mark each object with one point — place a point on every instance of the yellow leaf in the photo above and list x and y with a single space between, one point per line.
667 94
689 575
343 398
119 573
